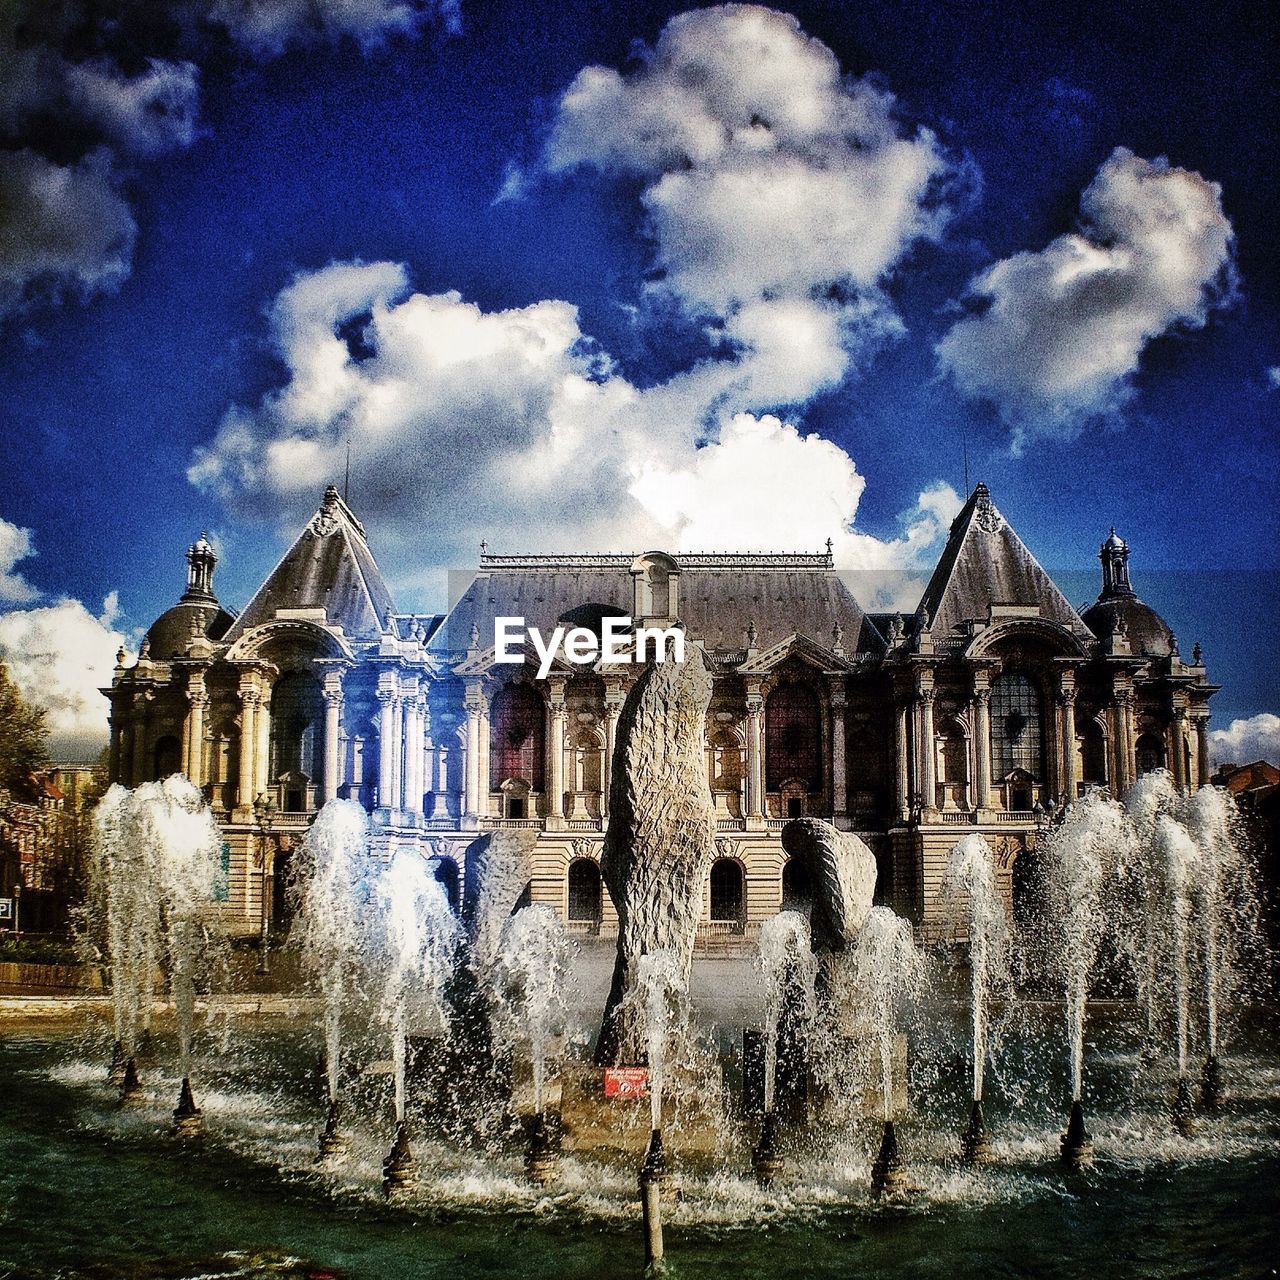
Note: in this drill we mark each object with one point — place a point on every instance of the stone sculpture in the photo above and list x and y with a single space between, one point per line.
842 875
661 837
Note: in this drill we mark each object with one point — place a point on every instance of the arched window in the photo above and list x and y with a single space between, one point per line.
297 729
515 742
166 757
1093 754
793 738
1017 726
1149 750
797 892
728 899
584 892
446 874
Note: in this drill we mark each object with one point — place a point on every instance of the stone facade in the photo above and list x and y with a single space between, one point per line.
983 711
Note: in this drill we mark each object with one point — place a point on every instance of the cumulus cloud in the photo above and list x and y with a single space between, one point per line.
1254 738
514 426
15 545
780 193
59 656
146 114
266 27
63 228
1273 378
1057 335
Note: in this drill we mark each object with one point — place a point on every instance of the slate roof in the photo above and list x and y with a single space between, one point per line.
986 563
329 567
719 597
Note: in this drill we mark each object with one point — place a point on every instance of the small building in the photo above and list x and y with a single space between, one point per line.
985 710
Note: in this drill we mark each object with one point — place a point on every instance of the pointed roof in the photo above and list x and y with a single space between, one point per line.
986 563
329 567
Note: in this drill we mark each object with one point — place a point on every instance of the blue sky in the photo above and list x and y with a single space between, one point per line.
170 342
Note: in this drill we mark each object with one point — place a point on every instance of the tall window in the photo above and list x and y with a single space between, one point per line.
727 892
297 726
793 738
1017 725
515 744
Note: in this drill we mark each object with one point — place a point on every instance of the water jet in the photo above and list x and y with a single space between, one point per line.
542 1160
653 1174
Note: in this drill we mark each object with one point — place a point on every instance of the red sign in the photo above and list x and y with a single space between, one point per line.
625 1082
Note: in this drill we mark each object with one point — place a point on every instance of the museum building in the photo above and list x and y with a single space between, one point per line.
985 710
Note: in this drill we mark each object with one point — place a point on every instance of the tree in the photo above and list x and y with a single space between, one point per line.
23 737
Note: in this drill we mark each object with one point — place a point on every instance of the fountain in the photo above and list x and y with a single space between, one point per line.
331 926
786 970
972 899
886 978
1180 858
1082 851
153 889
531 971
418 946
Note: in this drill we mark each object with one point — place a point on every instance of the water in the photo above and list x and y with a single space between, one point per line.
973 902
787 974
532 972
89 1190
154 881
417 951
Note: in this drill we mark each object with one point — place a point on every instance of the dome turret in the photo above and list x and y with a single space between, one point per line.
1118 611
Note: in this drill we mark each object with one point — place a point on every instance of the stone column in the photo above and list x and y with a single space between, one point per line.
115 757
1178 748
902 756
332 730
138 727
249 695
1201 727
386 741
982 743
555 752
928 751
613 700
755 753
193 729
839 777
484 778
474 702
1067 699
262 761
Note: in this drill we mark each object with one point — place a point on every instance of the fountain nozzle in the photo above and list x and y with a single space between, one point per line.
399 1170
187 1120
1183 1112
1076 1146
887 1172
542 1161
975 1145
115 1074
766 1160
332 1141
654 1168
1213 1088
131 1094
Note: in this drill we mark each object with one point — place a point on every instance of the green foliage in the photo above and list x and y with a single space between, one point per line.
23 737
38 951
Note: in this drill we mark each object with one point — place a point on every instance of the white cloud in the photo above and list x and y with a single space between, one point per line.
59 656
266 27
146 114
513 426
61 227
1273 378
1256 738
1062 330
780 194
15 545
